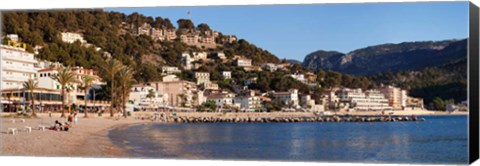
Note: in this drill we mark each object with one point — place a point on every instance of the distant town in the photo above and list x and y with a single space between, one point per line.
18 66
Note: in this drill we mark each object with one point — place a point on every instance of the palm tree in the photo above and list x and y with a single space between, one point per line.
87 82
125 78
150 95
111 68
64 76
31 85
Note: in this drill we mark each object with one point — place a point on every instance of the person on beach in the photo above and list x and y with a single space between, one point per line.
57 126
70 118
75 119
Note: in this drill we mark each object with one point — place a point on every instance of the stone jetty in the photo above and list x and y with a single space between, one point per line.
183 119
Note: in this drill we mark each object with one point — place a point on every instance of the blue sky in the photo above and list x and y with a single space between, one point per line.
293 31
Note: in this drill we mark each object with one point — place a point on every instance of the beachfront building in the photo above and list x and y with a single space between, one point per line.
306 101
170 70
180 93
356 99
222 99
248 101
17 66
145 97
202 77
70 37
227 74
413 103
288 98
397 98
75 94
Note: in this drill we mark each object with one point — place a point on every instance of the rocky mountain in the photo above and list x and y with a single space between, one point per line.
389 57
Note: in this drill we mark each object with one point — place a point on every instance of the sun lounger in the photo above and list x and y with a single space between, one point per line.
12 130
28 129
12 120
22 120
41 127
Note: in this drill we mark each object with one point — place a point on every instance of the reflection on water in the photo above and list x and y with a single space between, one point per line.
439 140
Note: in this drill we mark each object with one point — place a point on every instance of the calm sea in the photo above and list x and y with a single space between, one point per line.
439 140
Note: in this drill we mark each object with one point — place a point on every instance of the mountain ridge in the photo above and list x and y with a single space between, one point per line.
388 57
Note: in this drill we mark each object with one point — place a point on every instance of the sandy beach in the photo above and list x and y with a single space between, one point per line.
89 137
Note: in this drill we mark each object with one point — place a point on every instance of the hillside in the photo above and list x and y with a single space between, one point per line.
425 69
389 57
112 33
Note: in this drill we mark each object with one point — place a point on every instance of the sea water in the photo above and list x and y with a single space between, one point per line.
439 140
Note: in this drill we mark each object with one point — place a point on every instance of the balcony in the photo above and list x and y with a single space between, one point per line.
18 68
19 58
14 78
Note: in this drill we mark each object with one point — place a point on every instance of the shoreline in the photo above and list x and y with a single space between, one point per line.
90 137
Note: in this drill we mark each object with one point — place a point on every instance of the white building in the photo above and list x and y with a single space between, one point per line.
359 100
222 99
70 37
227 74
17 66
76 94
270 67
202 77
13 37
288 98
141 99
299 77
170 70
186 61
248 102
244 62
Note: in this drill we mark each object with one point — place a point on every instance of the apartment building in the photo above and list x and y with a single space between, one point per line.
397 98
142 100
17 66
180 93
248 101
222 99
288 98
76 94
358 100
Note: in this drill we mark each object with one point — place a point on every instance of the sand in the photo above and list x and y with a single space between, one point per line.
89 137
